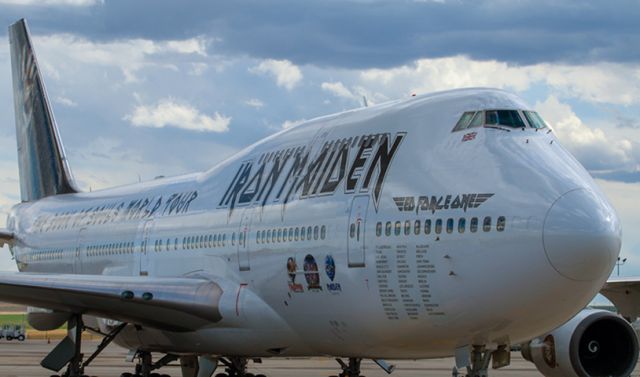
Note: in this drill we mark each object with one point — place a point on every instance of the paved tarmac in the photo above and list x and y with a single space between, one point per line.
22 359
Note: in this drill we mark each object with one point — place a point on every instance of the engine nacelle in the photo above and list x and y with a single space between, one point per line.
45 319
593 343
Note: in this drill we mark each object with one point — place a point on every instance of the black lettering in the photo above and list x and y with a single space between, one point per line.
381 160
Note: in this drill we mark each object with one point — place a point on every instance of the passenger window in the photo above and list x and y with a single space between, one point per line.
297 234
501 223
274 234
407 227
438 226
387 229
233 238
290 234
449 225
268 235
473 226
309 233
461 225
427 226
302 233
416 227
323 232
486 225
398 228
378 229
316 232
279 235
464 121
352 230
224 239
241 239
258 237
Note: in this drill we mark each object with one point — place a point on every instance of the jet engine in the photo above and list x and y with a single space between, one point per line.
593 343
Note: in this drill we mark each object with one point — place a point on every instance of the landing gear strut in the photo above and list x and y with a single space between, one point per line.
236 367
145 365
69 351
480 359
352 369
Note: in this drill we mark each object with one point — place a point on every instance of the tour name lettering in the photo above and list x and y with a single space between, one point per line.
425 203
355 164
134 209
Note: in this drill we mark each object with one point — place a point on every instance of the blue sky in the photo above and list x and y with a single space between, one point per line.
151 88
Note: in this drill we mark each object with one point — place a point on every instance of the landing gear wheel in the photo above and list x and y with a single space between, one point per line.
126 374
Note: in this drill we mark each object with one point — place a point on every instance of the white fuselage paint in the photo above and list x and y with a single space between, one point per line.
407 296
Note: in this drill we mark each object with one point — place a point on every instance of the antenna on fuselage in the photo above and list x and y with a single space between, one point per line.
365 103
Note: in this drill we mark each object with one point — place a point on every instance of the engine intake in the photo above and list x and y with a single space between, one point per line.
593 343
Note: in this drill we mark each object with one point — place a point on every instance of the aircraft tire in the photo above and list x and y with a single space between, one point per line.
21 338
9 338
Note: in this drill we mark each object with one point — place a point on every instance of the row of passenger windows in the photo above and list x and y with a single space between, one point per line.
44 254
416 227
120 248
508 118
291 234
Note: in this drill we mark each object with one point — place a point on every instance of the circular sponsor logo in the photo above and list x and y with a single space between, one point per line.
330 267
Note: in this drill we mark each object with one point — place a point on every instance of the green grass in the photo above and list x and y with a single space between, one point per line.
13 319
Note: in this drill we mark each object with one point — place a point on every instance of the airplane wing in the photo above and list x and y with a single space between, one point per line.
177 304
624 293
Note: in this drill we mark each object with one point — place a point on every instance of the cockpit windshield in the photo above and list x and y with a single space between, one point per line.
499 118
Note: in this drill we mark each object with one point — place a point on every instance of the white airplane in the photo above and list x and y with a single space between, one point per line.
448 224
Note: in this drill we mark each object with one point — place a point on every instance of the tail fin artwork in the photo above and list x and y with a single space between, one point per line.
41 160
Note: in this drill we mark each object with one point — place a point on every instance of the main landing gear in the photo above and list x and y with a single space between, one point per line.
351 368
69 351
480 359
236 367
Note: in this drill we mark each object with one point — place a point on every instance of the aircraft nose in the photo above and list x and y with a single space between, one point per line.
582 236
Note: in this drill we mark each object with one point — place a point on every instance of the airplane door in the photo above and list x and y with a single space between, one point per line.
356 231
243 239
80 251
145 236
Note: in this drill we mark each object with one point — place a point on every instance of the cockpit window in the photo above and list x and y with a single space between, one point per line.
509 118
477 120
464 121
504 118
534 119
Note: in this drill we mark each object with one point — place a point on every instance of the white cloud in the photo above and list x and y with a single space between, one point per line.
611 83
64 101
287 74
255 103
74 3
590 145
198 69
292 123
129 55
337 89
169 113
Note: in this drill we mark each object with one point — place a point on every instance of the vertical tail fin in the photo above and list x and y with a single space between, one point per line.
41 160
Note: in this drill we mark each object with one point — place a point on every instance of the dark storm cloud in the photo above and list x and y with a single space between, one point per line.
365 34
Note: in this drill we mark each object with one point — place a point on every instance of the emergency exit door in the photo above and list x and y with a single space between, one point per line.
356 231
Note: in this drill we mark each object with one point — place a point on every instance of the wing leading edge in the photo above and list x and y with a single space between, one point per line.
624 293
176 304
